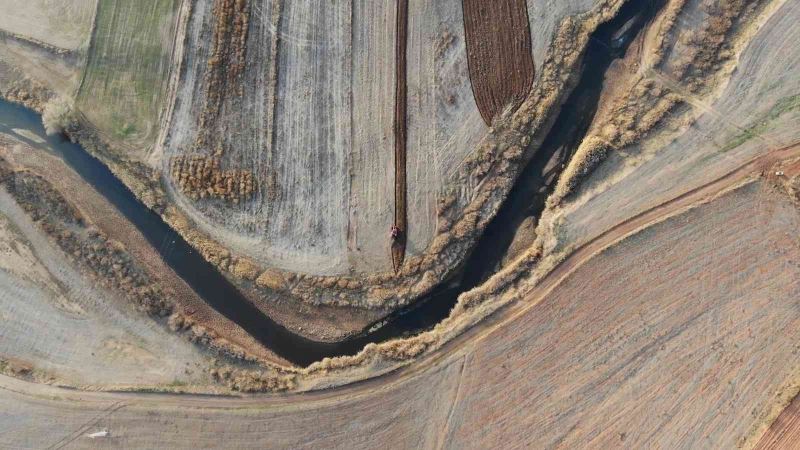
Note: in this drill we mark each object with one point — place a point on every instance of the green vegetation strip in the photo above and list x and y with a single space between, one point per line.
129 60
783 106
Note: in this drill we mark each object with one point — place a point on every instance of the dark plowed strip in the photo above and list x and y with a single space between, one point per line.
400 221
499 55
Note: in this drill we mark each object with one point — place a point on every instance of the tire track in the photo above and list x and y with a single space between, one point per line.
398 249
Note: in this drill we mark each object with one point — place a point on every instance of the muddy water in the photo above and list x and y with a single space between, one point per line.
526 200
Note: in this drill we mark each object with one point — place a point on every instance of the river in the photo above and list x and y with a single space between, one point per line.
526 199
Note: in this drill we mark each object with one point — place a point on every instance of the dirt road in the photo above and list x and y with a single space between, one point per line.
436 401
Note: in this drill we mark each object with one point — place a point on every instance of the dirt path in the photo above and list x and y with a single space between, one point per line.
499 57
400 136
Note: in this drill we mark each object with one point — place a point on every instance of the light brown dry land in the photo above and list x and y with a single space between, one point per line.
73 332
60 23
313 123
32 154
21 60
731 118
643 345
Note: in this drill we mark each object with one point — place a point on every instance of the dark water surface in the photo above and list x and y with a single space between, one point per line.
526 199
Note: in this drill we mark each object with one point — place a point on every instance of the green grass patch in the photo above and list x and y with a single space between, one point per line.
781 107
126 75
178 383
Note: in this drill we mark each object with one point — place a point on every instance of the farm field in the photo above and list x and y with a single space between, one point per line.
748 115
410 224
128 63
785 431
61 326
657 366
69 331
316 133
65 24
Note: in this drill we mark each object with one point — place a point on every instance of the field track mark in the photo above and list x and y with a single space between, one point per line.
400 136
693 100
499 55
76 434
442 437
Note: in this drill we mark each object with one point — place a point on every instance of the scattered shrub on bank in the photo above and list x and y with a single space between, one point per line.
57 115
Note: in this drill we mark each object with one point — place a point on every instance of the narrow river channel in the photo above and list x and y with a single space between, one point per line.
526 199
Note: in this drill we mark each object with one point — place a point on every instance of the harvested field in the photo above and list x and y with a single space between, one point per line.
314 124
129 60
61 23
647 342
498 43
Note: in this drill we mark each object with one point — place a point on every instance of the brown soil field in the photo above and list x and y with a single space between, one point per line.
643 344
61 23
498 42
398 244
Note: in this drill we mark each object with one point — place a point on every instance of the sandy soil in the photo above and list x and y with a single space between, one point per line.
645 343
73 332
106 218
61 23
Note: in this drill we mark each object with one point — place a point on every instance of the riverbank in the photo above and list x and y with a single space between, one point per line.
159 291
601 370
397 349
496 178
